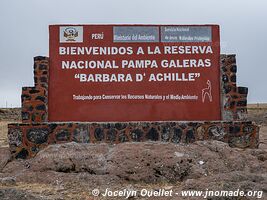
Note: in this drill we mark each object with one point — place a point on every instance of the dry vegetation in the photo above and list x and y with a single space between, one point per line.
3 133
7 116
258 114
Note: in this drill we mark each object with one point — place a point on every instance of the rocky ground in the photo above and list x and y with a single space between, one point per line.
7 115
73 171
10 114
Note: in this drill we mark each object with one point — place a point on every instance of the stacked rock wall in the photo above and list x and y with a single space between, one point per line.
36 132
34 100
26 140
234 99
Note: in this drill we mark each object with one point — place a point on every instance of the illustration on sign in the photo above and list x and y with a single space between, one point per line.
207 92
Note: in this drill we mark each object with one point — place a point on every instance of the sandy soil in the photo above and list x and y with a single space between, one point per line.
3 132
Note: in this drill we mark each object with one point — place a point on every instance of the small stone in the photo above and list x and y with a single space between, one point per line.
227 89
152 134
233 78
168 187
177 135
99 134
242 90
111 135
201 162
63 135
40 58
137 135
34 91
37 135
233 68
41 107
8 181
225 78
178 154
5 157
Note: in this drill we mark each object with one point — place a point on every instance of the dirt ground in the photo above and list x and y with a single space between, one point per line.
258 114
216 167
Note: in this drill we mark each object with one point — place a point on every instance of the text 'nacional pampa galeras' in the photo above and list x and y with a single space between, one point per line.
134 73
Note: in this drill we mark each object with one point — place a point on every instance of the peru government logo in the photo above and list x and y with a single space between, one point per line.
71 34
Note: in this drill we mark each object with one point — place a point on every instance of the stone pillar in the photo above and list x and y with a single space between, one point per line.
233 98
34 99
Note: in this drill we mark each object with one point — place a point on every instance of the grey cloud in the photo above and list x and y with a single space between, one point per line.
24 32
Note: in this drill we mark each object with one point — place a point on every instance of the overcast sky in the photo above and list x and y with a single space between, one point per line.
24 33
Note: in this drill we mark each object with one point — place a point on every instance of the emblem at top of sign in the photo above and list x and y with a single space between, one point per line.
71 34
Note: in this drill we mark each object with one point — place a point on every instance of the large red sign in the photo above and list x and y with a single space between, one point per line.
108 73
